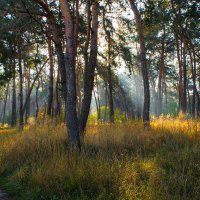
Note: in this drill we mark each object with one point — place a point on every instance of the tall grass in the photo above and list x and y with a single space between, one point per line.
120 161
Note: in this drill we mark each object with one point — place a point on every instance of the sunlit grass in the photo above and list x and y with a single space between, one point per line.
120 161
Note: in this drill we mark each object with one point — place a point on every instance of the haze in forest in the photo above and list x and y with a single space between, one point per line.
99 99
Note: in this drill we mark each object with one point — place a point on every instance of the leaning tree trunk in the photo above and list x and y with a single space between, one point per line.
71 115
89 69
146 107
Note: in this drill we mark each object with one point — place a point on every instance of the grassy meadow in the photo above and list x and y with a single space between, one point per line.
121 161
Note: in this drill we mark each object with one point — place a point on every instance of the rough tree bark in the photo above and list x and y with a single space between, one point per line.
71 115
146 118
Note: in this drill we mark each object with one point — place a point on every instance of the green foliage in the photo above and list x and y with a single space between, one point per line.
104 115
171 108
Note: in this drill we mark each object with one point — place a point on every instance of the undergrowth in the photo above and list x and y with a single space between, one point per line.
120 161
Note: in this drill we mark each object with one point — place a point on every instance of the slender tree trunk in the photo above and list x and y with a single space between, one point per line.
110 86
36 100
5 103
97 106
76 29
90 69
21 121
146 108
111 104
161 73
58 100
184 92
31 88
28 88
193 106
50 96
98 101
14 102
106 103
194 82
180 71
71 115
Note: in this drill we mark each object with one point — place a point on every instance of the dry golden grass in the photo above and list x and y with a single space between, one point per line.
120 161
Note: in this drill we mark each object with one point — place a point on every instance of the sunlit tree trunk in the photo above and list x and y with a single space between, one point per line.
146 118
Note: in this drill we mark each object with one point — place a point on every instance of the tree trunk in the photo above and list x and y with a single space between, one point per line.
5 104
111 104
58 100
106 103
28 88
50 96
89 69
71 115
184 92
146 118
193 106
58 44
36 100
98 101
14 102
21 121
161 73
31 88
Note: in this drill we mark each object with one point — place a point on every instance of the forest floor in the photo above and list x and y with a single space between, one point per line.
120 161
